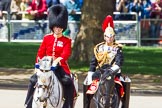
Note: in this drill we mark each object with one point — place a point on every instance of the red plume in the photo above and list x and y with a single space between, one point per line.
108 20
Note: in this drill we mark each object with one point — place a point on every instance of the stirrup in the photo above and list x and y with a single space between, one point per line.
93 87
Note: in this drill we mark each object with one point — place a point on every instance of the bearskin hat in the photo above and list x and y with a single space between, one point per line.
108 26
58 16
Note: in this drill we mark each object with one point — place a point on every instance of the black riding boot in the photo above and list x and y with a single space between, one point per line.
68 86
29 97
68 95
126 98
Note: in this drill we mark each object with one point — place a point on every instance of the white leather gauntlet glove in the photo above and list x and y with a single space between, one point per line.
115 68
57 61
88 79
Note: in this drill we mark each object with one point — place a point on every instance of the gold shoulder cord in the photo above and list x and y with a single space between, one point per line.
101 57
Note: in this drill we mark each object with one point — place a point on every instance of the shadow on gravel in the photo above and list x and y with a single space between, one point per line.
19 78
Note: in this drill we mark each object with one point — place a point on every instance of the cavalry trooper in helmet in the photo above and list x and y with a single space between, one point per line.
58 47
106 54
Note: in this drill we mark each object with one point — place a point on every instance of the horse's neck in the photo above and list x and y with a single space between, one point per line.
54 80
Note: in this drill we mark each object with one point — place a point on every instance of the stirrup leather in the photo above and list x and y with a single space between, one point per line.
93 87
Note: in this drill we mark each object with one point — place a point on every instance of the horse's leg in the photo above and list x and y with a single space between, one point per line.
68 94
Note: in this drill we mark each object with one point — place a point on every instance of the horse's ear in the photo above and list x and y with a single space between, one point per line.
52 60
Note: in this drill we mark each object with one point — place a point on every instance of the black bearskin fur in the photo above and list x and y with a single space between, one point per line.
58 16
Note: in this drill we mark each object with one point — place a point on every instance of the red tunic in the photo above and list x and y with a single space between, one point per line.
62 49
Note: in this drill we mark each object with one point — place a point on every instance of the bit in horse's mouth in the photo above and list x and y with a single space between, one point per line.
41 99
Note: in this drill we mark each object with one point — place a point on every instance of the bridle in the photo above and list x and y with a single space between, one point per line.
44 87
105 96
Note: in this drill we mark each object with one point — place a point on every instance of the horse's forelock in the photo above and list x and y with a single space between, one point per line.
45 63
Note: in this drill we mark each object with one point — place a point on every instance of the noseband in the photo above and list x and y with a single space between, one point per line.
104 91
47 87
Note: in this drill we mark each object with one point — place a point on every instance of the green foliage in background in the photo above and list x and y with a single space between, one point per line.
143 60
18 55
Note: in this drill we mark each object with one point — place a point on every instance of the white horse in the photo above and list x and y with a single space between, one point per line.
49 91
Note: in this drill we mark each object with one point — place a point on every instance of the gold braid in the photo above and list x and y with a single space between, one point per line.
103 57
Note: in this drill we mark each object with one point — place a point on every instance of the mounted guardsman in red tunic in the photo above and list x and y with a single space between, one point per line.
58 47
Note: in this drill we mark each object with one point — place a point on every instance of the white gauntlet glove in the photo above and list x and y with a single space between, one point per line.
115 69
57 61
88 79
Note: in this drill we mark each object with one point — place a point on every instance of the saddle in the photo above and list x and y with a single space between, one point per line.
93 87
120 87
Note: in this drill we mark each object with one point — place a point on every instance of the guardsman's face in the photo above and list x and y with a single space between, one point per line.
109 39
57 30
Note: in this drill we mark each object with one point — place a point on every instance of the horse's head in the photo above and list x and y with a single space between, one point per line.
45 63
106 95
44 75
106 86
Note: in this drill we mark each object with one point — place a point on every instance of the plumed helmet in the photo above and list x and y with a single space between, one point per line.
108 26
58 16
